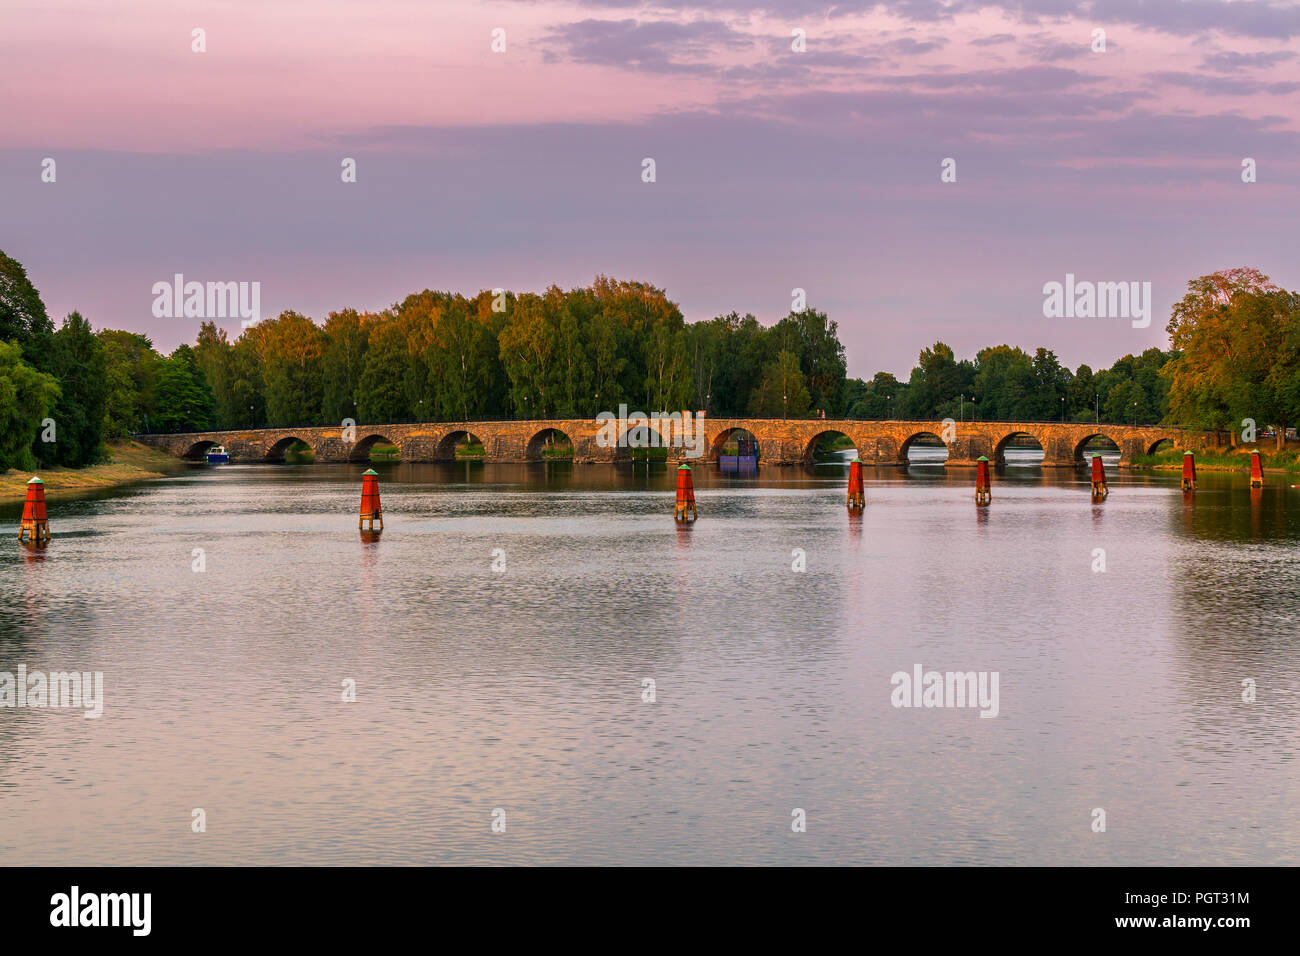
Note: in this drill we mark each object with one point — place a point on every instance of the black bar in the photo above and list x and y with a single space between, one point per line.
923 906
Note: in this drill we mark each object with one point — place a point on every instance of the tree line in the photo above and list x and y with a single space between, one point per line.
442 356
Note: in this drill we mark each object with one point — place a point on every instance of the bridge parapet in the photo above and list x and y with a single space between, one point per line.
780 441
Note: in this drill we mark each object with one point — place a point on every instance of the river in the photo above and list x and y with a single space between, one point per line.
516 694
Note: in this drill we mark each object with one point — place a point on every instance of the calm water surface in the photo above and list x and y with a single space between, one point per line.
522 689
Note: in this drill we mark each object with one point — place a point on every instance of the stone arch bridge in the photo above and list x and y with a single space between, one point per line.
781 441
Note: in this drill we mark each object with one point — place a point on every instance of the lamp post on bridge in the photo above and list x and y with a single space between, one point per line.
1062 409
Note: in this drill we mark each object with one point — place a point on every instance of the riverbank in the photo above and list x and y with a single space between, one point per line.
1286 461
129 462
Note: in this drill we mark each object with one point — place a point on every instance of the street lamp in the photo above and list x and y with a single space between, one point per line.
786 401
961 408
1062 409
890 410
250 416
1135 414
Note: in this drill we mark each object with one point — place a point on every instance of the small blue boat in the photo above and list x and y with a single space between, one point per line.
216 455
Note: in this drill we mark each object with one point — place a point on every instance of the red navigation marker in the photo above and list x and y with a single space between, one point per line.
983 488
370 510
685 495
1256 471
1189 471
35 523
1099 486
857 499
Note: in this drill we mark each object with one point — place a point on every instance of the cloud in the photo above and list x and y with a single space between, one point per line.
656 46
1276 19
1228 61
1224 86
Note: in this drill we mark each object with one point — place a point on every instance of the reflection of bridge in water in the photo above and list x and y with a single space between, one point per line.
780 441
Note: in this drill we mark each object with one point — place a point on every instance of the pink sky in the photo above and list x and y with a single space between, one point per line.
776 169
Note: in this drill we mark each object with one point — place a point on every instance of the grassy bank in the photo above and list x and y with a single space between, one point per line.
1286 460
129 462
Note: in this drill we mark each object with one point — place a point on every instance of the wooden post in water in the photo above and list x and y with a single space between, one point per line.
1189 471
685 495
857 499
1256 471
1099 487
35 522
370 510
983 488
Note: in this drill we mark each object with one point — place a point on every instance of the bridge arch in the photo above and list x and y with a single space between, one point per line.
1110 445
536 448
277 450
727 435
925 439
453 439
360 451
1161 444
810 449
196 451
1000 450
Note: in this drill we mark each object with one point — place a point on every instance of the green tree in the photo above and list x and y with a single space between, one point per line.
815 339
461 362
22 314
344 360
381 396
782 391
78 362
27 397
184 402
878 399
292 350
213 353
530 349
131 376
1218 349
936 383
